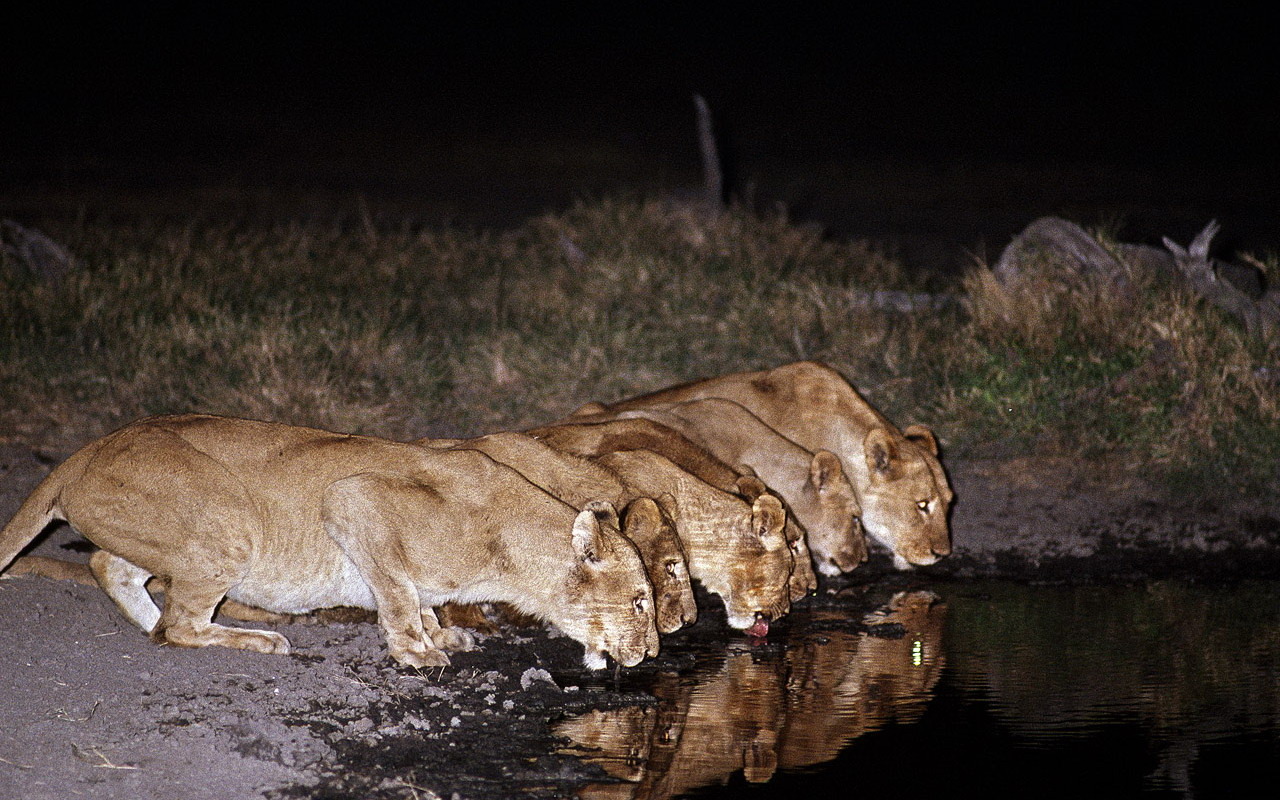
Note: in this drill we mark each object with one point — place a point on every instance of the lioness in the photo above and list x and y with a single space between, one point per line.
590 439
900 484
803 579
577 481
813 485
736 550
291 519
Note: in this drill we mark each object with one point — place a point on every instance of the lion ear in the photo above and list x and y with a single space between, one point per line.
588 529
641 520
761 762
881 453
824 469
922 436
667 502
749 487
604 512
768 518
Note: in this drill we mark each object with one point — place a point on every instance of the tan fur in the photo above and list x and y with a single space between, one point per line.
291 519
619 740
465 615
58 569
813 485
450 615
736 550
589 439
724 723
900 484
597 438
803 579
577 481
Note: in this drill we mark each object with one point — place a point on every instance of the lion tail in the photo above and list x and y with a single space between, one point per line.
35 514
41 507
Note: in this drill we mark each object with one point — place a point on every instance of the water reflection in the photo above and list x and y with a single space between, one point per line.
1158 690
1195 668
757 714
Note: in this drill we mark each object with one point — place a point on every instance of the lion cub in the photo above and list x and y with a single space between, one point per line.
292 519
901 487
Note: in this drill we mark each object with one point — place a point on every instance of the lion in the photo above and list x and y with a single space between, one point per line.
813 485
737 550
290 519
899 481
804 581
646 521
590 439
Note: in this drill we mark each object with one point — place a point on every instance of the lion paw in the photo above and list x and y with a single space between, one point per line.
260 642
275 643
268 642
454 639
426 657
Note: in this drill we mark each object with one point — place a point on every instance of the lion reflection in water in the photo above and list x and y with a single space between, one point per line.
758 715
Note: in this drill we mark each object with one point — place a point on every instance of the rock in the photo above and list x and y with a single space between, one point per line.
532 675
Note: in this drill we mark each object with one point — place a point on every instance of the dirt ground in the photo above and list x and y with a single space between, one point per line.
94 709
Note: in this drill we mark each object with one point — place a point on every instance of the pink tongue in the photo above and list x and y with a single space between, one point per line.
759 629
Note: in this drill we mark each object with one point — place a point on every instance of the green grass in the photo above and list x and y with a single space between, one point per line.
407 332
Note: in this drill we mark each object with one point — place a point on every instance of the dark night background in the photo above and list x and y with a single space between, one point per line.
939 130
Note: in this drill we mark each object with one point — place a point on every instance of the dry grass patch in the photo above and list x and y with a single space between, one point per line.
1078 366
407 332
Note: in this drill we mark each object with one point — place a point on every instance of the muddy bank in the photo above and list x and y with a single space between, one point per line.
93 709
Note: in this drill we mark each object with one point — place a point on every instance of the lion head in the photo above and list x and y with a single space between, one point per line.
650 528
829 511
758 567
906 497
803 580
608 598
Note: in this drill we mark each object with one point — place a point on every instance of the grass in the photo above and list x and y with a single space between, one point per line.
405 332
1150 373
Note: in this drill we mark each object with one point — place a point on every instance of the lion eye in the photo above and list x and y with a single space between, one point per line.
671 568
923 505
639 604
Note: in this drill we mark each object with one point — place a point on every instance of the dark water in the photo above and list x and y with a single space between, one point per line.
1165 690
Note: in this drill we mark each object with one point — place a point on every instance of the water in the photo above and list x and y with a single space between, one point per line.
1165 690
